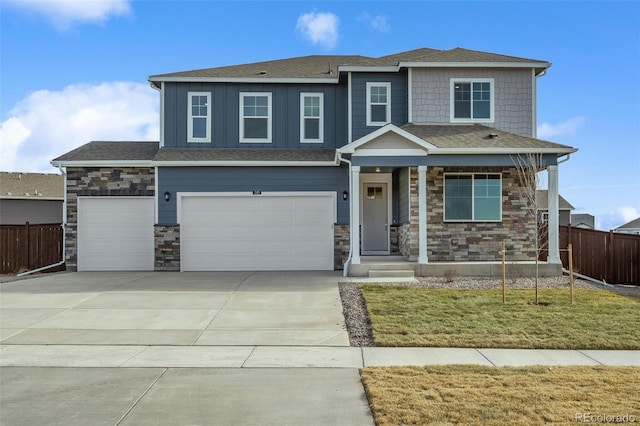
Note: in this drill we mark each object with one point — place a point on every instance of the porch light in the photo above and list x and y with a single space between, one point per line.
345 195
377 169
167 195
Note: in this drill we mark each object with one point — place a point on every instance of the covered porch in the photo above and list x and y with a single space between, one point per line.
396 194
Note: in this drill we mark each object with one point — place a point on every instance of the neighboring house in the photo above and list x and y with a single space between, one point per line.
36 198
564 208
583 220
632 227
315 163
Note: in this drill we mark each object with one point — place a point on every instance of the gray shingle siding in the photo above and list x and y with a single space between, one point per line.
359 100
225 98
247 179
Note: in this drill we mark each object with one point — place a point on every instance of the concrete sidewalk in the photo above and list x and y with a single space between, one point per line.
295 356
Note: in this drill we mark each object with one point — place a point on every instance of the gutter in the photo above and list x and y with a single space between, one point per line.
64 233
347 263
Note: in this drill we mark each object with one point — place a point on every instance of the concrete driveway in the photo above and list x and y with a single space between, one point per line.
177 348
176 309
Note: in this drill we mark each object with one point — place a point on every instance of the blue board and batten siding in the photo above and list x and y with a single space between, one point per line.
225 99
248 179
399 100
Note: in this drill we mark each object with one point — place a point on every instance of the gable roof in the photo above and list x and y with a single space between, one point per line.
542 201
326 68
634 224
41 186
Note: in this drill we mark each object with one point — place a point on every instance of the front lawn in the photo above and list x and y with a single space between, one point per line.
402 316
498 396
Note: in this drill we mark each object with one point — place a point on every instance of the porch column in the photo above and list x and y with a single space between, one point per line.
554 214
422 214
355 215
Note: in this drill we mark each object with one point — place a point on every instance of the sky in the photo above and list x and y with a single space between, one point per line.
76 71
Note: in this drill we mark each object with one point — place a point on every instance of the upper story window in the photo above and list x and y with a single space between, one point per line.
378 104
311 117
199 120
472 197
472 100
255 117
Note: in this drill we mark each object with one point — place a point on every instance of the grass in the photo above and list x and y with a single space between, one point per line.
490 395
402 316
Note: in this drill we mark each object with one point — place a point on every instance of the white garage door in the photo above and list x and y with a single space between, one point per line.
271 231
115 234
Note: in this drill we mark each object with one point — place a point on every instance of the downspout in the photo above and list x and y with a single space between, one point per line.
347 263
64 232
566 159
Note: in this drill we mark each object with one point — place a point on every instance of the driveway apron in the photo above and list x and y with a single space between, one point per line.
174 348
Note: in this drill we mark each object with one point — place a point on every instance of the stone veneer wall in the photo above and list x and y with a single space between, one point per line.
101 182
408 232
341 245
167 242
479 241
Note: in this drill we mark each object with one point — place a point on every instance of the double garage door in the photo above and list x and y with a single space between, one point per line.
269 231
218 232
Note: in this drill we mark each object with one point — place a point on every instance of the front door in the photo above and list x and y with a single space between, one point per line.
375 218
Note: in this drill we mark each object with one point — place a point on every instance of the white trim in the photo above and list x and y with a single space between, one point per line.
155 194
351 147
263 80
553 203
473 205
349 110
162 115
242 117
244 163
190 117
354 219
332 194
373 178
471 80
403 64
410 95
360 68
506 150
422 215
390 152
104 163
534 101
320 139
386 85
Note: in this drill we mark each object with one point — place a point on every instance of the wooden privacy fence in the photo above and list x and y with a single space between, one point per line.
26 247
610 256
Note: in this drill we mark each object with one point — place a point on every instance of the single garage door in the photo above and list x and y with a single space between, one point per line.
270 231
115 234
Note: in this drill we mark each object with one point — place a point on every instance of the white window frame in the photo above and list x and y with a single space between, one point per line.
473 197
452 117
370 85
269 117
320 138
190 117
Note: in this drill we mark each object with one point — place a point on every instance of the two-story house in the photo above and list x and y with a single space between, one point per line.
315 163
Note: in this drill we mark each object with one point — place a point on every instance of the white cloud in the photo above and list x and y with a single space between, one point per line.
379 23
617 217
568 127
64 14
319 28
46 124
